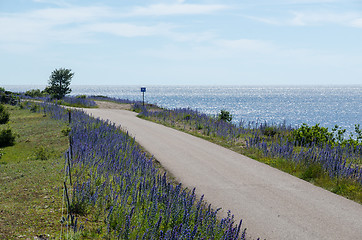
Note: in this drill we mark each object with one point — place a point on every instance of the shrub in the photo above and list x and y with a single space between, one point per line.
81 96
225 116
187 117
34 93
7 137
4 115
357 138
66 131
8 97
34 108
313 171
305 135
41 153
270 131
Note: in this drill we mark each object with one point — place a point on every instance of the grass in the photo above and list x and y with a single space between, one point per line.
31 176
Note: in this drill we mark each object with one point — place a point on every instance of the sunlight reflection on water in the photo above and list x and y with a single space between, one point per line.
325 105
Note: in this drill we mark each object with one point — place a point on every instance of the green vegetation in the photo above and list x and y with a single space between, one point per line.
7 137
306 135
31 176
4 115
7 97
59 82
225 116
36 93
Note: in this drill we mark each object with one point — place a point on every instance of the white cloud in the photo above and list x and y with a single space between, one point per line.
191 37
249 45
310 1
357 22
269 21
47 25
73 25
313 18
129 30
61 3
317 18
81 24
70 15
176 9
216 50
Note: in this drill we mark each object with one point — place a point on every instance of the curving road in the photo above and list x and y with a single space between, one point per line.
272 204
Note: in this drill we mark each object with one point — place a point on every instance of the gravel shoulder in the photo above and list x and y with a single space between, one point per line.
273 204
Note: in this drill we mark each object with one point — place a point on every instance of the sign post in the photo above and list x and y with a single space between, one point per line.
143 90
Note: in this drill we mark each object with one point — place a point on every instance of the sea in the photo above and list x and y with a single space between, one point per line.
326 105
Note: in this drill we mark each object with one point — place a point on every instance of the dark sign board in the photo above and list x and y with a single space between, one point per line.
143 89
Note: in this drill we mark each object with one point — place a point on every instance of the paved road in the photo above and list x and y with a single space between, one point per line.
273 204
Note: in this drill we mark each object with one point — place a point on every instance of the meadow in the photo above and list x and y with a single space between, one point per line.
30 176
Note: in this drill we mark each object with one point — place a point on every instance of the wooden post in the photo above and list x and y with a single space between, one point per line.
70 115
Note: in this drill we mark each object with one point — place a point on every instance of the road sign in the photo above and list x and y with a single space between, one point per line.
143 90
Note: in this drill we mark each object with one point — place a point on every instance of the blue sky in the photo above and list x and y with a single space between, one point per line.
200 42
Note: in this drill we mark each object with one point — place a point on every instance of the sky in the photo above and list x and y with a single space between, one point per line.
180 42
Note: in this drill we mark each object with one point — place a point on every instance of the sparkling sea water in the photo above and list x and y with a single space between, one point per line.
329 106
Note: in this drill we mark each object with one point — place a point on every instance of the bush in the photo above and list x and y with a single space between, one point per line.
4 115
305 135
81 96
41 153
313 171
65 131
270 131
225 116
8 98
34 93
34 108
7 137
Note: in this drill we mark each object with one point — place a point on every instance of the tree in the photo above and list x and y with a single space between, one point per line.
59 82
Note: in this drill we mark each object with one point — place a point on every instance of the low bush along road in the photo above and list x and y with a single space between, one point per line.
272 204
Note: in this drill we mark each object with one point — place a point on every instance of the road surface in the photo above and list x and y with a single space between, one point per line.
272 204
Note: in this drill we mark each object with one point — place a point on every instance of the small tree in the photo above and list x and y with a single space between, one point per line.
7 137
4 115
225 116
59 82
